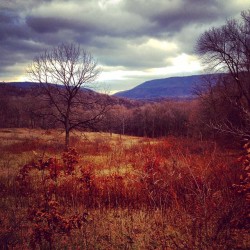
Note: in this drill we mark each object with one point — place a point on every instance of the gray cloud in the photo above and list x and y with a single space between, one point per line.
46 24
169 16
129 34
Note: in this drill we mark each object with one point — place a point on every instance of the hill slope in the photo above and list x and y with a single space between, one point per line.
23 88
172 87
23 85
30 85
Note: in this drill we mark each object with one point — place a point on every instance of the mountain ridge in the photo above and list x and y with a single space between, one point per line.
170 87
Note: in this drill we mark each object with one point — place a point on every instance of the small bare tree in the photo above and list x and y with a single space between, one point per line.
64 73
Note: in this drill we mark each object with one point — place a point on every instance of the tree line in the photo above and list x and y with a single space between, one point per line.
24 108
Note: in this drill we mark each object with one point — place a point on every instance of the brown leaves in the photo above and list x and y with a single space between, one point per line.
48 220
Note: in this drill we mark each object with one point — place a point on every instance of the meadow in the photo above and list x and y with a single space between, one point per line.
119 192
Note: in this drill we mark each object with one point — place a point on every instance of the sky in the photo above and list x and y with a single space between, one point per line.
132 40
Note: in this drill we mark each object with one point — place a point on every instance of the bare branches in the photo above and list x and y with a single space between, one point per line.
227 49
230 129
63 73
67 64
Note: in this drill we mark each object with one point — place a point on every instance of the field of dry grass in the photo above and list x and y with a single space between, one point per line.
117 192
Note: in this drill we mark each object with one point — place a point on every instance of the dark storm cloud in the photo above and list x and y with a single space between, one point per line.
11 33
11 26
46 24
55 24
120 33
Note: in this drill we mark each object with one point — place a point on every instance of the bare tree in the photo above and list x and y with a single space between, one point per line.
62 73
227 49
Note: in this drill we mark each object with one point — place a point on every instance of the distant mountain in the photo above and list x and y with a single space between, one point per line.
25 85
172 87
29 85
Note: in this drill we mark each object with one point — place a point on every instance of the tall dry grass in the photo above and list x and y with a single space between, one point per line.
118 193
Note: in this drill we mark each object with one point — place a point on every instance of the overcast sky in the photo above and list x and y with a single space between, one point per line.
132 40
